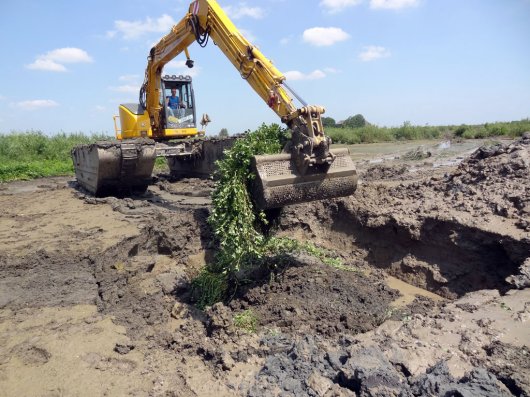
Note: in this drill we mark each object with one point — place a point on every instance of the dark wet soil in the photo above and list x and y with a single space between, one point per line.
311 297
320 331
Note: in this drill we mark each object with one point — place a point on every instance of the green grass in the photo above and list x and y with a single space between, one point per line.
246 321
372 133
210 286
32 154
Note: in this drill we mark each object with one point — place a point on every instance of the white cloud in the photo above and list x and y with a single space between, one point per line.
129 77
127 88
99 108
242 10
321 37
36 104
68 55
53 60
393 4
179 67
371 53
46 64
334 6
331 70
136 29
297 75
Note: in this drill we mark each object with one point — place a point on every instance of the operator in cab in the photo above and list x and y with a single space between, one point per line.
174 106
173 101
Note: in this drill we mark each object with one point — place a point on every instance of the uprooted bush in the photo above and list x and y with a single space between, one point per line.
238 226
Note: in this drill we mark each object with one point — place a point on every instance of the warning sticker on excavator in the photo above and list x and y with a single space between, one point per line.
196 8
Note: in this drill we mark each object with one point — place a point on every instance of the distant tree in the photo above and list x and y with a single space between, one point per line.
223 133
356 121
328 122
460 131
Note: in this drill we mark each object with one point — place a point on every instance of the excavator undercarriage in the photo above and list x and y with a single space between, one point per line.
121 167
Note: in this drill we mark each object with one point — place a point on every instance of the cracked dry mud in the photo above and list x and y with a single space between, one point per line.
95 293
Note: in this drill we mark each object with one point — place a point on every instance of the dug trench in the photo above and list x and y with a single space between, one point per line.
440 255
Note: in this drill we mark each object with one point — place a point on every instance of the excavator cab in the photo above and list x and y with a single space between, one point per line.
177 95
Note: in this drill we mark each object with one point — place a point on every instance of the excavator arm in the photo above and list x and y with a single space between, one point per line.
308 170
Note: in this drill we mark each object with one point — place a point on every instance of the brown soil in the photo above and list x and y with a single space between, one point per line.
95 293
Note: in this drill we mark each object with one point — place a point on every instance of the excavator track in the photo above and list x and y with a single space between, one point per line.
122 167
203 153
114 167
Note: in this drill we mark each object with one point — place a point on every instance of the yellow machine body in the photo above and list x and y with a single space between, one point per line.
134 125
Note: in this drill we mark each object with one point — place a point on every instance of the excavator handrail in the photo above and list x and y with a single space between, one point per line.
117 130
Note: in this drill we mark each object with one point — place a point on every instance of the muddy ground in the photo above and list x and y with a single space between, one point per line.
433 298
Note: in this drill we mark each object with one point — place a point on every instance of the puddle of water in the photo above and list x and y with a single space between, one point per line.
448 163
444 145
408 292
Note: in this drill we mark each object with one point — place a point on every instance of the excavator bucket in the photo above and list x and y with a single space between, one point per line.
113 167
278 181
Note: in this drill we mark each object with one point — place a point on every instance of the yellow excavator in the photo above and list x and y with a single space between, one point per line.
307 170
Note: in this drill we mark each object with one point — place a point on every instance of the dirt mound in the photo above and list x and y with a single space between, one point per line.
491 187
495 179
137 279
311 297
432 251
310 367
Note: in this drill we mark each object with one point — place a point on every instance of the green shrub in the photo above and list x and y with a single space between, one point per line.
356 121
328 122
460 131
371 133
235 222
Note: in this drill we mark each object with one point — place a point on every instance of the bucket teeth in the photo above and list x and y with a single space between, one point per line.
278 182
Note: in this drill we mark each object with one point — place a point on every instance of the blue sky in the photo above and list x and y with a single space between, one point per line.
67 65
